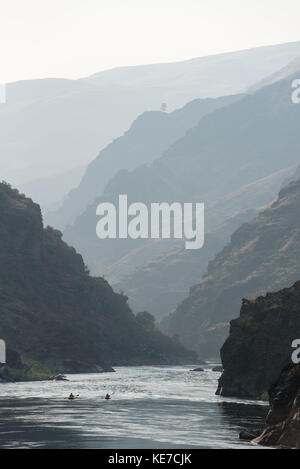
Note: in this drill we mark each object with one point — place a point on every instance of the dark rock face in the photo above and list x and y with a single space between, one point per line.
260 344
248 436
52 311
4 375
283 421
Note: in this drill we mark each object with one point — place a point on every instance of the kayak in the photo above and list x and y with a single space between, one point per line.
71 398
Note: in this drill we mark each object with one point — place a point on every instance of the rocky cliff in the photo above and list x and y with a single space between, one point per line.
52 311
283 421
260 343
262 256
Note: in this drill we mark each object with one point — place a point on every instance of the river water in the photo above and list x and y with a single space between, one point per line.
151 407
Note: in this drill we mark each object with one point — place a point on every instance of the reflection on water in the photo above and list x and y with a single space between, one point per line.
151 407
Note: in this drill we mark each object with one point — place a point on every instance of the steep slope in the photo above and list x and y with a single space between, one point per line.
260 343
160 284
294 177
283 421
54 312
50 126
262 256
164 281
149 135
210 163
285 72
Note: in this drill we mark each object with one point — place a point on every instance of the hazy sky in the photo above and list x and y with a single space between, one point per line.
73 38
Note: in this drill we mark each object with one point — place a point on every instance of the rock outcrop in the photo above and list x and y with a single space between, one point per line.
283 421
52 311
260 344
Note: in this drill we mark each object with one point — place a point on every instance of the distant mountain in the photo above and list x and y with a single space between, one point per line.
49 126
218 162
292 68
163 282
294 177
262 256
211 76
149 135
160 284
52 190
52 311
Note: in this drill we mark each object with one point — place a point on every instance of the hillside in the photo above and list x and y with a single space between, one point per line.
213 163
262 256
18 368
160 284
50 191
52 311
164 281
147 138
279 75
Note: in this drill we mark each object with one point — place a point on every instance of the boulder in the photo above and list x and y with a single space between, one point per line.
218 369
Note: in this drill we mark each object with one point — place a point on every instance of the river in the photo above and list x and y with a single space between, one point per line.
151 407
